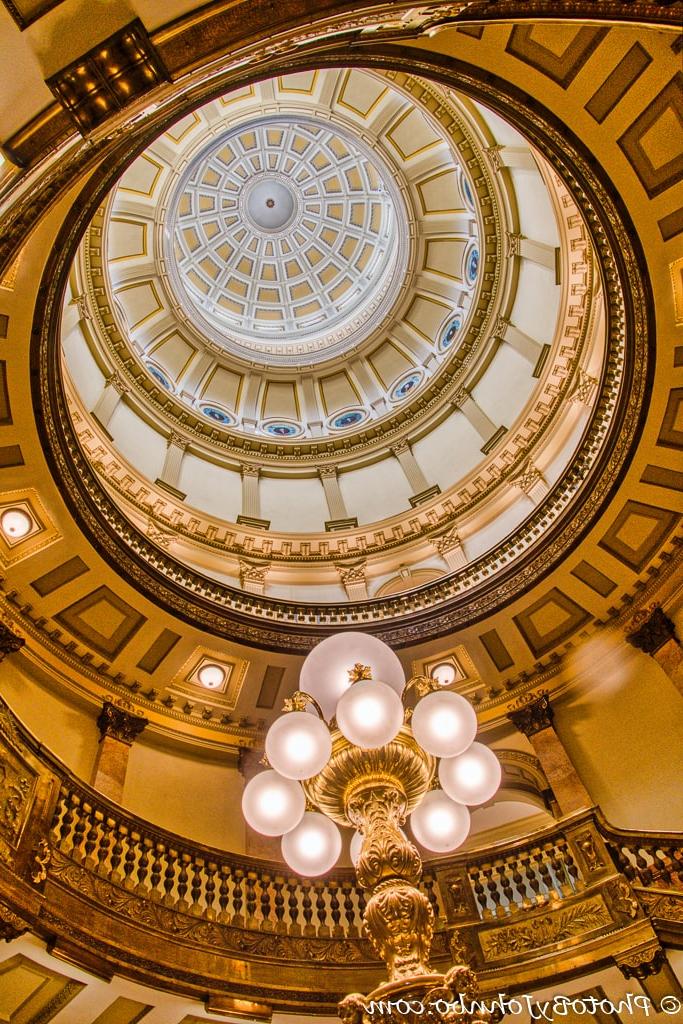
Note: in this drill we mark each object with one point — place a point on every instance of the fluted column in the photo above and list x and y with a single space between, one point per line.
533 351
653 632
114 390
333 494
484 426
169 478
419 485
538 252
535 720
119 728
251 499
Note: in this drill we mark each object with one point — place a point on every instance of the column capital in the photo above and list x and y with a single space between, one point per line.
10 643
252 471
650 628
461 396
513 243
327 472
350 574
534 716
399 448
120 722
501 327
447 540
583 387
177 440
116 381
642 962
11 925
494 153
528 478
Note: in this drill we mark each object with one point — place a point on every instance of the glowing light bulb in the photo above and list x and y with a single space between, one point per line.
439 824
273 805
298 745
472 777
312 848
444 723
15 523
370 714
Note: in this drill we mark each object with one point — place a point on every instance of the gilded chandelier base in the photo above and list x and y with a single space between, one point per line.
451 998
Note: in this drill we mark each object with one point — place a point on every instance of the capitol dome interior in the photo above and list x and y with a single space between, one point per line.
349 331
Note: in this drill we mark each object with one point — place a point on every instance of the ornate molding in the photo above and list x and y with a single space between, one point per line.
120 721
650 628
534 715
12 926
642 962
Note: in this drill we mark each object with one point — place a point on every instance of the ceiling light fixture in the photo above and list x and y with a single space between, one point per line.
211 676
349 750
15 523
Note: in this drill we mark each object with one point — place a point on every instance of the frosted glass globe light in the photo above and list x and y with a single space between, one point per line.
444 723
16 523
472 777
298 745
439 824
313 847
325 672
370 714
273 805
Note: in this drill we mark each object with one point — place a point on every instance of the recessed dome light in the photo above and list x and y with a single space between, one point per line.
15 523
444 674
211 676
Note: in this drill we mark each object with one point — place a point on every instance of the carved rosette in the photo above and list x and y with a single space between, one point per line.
399 922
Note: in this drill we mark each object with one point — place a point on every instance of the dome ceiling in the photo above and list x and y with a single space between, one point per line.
288 240
327 354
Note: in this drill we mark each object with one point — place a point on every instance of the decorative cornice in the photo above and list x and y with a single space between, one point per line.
650 628
120 722
642 962
533 716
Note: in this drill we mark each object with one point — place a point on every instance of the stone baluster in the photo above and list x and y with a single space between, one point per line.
653 632
119 727
535 720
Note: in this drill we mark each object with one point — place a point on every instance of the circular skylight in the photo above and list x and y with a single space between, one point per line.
284 230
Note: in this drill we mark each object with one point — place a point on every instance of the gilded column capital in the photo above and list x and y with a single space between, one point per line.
119 723
10 643
116 381
528 478
327 472
11 925
501 327
513 243
461 396
400 448
494 153
534 716
447 540
177 440
642 962
250 471
650 628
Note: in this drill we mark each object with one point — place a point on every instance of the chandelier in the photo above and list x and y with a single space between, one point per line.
359 747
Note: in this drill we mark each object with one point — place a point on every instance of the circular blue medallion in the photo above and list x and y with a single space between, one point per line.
282 429
159 377
472 265
450 332
348 419
405 386
217 414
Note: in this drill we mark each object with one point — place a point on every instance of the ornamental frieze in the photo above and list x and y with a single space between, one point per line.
579 919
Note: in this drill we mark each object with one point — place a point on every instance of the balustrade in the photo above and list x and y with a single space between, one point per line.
647 860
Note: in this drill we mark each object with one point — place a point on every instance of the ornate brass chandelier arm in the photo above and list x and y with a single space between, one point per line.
299 701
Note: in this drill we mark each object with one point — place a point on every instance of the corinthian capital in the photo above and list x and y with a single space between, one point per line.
120 723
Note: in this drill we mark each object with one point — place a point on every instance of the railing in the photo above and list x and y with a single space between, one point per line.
647 859
74 865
